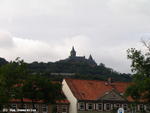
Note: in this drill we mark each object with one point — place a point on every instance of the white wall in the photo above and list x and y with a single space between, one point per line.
70 97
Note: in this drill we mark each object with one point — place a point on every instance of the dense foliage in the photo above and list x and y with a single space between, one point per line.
80 70
140 89
17 83
3 61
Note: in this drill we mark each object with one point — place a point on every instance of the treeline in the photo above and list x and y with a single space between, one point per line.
80 70
17 83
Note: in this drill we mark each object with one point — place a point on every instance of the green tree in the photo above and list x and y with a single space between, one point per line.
140 66
39 88
11 75
17 83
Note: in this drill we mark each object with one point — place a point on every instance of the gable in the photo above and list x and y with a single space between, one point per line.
113 96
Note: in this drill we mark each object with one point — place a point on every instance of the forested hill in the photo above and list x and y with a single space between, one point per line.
3 61
59 70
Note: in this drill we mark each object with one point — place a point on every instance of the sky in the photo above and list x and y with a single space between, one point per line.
46 30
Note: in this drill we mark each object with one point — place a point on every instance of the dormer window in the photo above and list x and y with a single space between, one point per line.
106 83
121 93
106 93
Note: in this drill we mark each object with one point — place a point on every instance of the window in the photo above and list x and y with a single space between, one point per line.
117 105
81 106
99 106
58 109
107 106
14 106
141 107
24 106
64 109
125 106
37 107
89 106
147 107
44 108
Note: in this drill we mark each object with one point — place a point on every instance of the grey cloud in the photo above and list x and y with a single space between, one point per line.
6 40
100 27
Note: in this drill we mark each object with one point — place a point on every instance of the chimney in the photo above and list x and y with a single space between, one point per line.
109 80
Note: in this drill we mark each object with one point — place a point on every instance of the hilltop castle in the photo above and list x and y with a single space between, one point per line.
79 59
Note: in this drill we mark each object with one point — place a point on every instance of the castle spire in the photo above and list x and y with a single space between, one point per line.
91 61
73 52
90 57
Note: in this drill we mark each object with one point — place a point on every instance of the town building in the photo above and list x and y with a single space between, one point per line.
61 106
94 96
85 96
26 105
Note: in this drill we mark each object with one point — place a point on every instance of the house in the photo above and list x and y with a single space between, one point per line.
94 96
61 106
37 106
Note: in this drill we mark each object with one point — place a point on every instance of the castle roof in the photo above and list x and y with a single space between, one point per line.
73 50
90 57
79 59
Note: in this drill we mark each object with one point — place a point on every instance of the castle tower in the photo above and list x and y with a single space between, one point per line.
90 58
73 52
91 61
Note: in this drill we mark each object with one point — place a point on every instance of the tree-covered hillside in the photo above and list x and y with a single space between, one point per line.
59 70
3 61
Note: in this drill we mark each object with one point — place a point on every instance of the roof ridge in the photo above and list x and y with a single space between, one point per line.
97 80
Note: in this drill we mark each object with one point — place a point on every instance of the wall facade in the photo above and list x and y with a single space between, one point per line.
70 97
109 107
39 107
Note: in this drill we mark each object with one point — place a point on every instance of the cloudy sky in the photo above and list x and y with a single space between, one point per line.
46 30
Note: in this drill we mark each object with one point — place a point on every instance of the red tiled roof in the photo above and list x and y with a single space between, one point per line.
26 100
63 101
93 89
